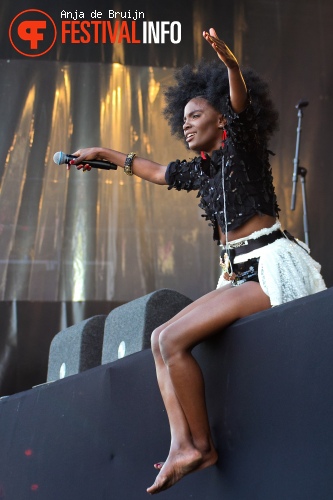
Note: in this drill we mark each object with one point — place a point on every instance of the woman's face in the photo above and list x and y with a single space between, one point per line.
203 125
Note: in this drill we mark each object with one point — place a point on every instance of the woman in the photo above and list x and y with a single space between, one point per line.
230 125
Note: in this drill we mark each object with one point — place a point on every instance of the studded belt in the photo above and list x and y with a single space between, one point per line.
246 246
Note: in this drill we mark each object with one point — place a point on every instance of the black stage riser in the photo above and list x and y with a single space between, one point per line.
269 386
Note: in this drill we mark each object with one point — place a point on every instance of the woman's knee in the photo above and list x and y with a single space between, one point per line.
161 342
155 340
169 347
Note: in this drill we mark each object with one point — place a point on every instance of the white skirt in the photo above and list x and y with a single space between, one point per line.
286 271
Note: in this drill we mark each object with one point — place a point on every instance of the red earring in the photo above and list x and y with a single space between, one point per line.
224 137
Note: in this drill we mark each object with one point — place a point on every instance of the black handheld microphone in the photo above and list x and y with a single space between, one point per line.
60 158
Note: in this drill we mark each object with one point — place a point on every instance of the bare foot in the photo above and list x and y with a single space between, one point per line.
178 465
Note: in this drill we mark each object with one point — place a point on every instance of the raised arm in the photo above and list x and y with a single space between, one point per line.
146 169
238 90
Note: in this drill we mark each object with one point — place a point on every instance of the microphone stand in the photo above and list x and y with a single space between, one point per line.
300 171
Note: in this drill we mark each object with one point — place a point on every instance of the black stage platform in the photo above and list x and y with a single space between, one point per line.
269 386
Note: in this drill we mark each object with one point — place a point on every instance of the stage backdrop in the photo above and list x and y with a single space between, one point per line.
105 236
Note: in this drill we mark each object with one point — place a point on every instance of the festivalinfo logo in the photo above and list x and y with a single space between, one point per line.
33 32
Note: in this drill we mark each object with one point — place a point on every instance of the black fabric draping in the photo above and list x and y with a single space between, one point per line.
269 391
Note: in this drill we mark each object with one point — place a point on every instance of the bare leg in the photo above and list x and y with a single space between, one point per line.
181 438
181 380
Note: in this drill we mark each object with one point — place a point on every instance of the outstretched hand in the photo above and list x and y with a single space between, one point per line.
222 50
237 86
83 155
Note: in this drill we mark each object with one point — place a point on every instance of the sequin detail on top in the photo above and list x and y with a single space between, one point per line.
248 176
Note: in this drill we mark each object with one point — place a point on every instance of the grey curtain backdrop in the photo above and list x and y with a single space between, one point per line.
102 236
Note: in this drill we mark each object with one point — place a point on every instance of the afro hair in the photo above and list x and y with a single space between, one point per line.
210 81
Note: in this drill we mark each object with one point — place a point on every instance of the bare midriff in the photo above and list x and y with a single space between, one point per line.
256 223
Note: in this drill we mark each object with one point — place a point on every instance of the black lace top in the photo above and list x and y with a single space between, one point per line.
248 180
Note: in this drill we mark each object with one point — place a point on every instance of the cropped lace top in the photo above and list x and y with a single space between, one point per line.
248 181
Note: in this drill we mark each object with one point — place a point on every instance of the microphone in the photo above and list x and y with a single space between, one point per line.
60 158
302 104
